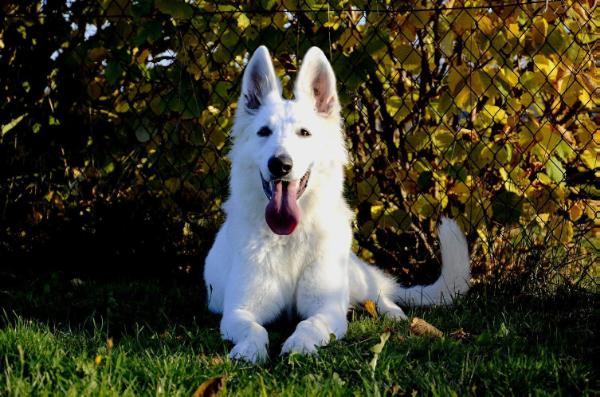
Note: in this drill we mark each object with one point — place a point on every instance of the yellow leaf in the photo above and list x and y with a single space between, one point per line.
243 21
591 158
368 189
546 65
376 210
509 76
396 107
461 190
121 106
334 22
401 219
548 138
98 359
463 22
367 228
280 19
457 77
12 124
425 205
442 139
539 31
486 26
545 179
348 39
498 114
408 57
465 99
477 209
576 211
504 155
447 44
562 230
533 81
211 387
173 184
573 91
383 338
482 155
514 32
476 81
142 57
420 19
378 348
369 306
417 140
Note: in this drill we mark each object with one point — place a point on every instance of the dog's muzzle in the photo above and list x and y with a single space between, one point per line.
283 212
269 186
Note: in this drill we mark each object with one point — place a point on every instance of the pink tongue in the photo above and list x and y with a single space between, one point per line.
282 213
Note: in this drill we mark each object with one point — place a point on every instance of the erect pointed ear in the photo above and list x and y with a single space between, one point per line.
259 80
316 81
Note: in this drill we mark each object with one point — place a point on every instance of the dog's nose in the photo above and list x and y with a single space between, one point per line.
280 165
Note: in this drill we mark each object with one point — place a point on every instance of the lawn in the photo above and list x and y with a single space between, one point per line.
84 337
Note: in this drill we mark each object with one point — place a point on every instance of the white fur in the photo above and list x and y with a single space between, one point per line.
252 274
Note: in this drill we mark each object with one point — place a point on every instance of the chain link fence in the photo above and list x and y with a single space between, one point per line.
116 117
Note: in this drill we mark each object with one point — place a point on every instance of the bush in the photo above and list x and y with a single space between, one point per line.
487 114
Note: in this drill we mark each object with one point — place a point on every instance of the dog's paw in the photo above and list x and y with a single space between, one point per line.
304 340
391 310
250 350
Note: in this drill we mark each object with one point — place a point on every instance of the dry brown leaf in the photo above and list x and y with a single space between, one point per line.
211 387
420 327
216 360
370 308
460 334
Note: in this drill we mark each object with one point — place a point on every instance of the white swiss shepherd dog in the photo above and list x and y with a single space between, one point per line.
286 243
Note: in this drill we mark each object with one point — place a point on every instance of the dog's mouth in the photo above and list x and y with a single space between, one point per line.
283 213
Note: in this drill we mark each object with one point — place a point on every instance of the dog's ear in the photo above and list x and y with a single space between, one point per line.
316 81
259 80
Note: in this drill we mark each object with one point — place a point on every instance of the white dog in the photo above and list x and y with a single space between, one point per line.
286 241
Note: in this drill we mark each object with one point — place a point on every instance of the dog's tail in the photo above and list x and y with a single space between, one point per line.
368 282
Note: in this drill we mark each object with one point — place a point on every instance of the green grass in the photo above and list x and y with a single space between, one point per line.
165 343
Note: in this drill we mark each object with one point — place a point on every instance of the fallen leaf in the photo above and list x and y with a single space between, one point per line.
420 327
370 308
460 334
216 360
211 387
378 348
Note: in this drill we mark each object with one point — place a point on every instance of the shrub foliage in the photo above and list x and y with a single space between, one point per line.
483 111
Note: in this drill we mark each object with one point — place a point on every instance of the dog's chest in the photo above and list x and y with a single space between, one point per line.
284 254
283 260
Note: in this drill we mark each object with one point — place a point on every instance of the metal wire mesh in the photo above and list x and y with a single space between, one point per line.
480 110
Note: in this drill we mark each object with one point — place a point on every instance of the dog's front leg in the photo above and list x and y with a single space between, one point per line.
253 297
250 338
322 298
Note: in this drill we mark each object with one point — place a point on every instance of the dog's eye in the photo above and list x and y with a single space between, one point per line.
304 132
264 131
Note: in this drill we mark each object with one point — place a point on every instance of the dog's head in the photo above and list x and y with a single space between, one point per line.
287 141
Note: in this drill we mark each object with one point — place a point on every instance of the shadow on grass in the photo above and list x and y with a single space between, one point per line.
162 329
122 303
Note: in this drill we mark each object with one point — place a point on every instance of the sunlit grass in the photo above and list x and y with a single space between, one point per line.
505 346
